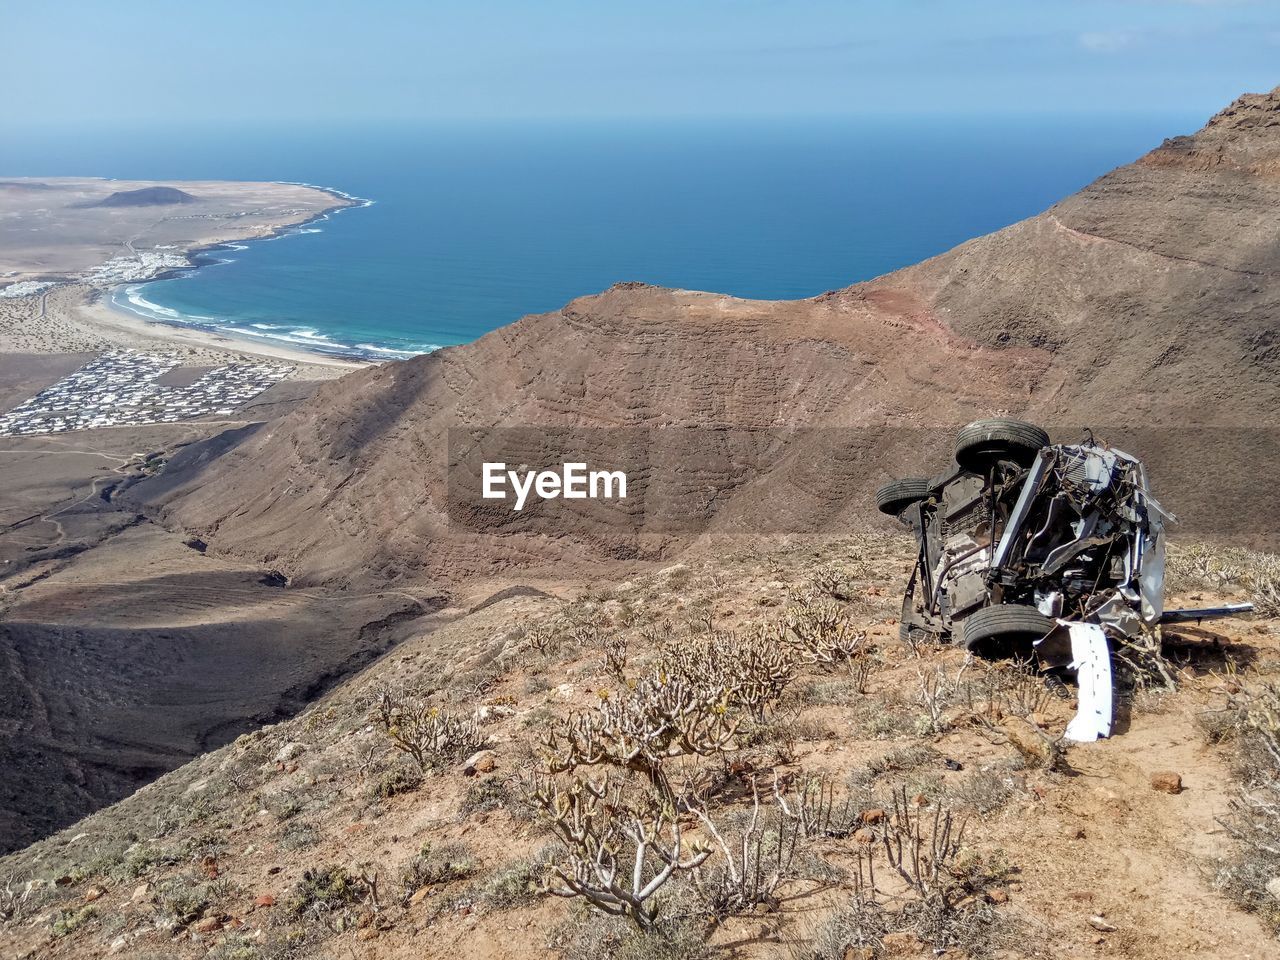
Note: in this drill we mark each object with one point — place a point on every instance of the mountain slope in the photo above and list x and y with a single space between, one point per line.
1146 306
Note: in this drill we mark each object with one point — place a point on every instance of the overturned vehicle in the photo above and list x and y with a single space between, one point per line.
1028 548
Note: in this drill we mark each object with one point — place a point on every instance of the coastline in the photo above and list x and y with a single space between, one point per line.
79 310
113 308
110 318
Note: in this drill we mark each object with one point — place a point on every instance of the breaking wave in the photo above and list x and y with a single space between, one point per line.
131 298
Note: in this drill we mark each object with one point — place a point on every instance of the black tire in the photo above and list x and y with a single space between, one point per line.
983 442
1004 630
913 635
896 496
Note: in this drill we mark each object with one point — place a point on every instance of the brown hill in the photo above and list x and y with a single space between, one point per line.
1145 307
145 197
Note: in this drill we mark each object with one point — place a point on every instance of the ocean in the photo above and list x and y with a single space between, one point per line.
470 226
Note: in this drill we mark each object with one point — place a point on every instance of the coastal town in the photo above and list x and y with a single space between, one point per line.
132 387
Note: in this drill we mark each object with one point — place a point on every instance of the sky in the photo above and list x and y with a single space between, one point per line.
67 62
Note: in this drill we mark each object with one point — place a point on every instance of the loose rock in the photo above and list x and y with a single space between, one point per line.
290 751
482 762
1166 781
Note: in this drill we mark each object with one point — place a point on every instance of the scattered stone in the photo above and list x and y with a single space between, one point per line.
207 925
140 893
1273 887
198 786
290 751
1029 740
952 764
266 900
418 896
369 933
858 953
272 871
874 815
93 893
488 712
998 895
902 944
1100 923
1166 781
565 691
482 762
863 835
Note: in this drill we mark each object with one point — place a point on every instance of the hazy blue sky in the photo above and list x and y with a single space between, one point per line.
320 60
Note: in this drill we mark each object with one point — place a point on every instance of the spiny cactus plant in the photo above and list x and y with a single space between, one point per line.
753 668
614 650
752 864
425 732
616 854
822 633
922 849
662 718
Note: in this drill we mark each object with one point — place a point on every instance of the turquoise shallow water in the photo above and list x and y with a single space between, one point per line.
472 226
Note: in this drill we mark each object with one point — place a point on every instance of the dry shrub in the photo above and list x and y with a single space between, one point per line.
753 669
600 937
434 864
425 732
1253 819
1006 690
822 633
751 864
818 807
1203 566
325 892
984 791
617 851
662 718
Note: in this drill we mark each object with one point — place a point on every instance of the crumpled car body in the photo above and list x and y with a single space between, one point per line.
1021 534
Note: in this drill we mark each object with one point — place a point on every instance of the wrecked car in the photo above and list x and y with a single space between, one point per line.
1032 548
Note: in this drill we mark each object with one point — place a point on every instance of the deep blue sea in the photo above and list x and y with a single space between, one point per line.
473 225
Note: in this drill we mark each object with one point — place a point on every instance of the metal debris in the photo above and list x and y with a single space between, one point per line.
1028 548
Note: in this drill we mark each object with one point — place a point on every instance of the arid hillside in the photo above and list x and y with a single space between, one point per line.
1145 307
911 802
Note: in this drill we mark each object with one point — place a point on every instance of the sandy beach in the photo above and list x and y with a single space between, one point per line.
67 242
76 318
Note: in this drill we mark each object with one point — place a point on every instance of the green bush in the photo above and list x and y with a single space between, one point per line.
68 921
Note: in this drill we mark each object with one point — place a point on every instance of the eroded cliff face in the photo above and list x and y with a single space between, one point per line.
1149 299
1155 288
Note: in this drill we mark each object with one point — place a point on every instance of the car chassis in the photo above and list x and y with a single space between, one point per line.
1021 540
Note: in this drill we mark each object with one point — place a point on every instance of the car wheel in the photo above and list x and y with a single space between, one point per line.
913 635
896 496
983 442
1005 630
